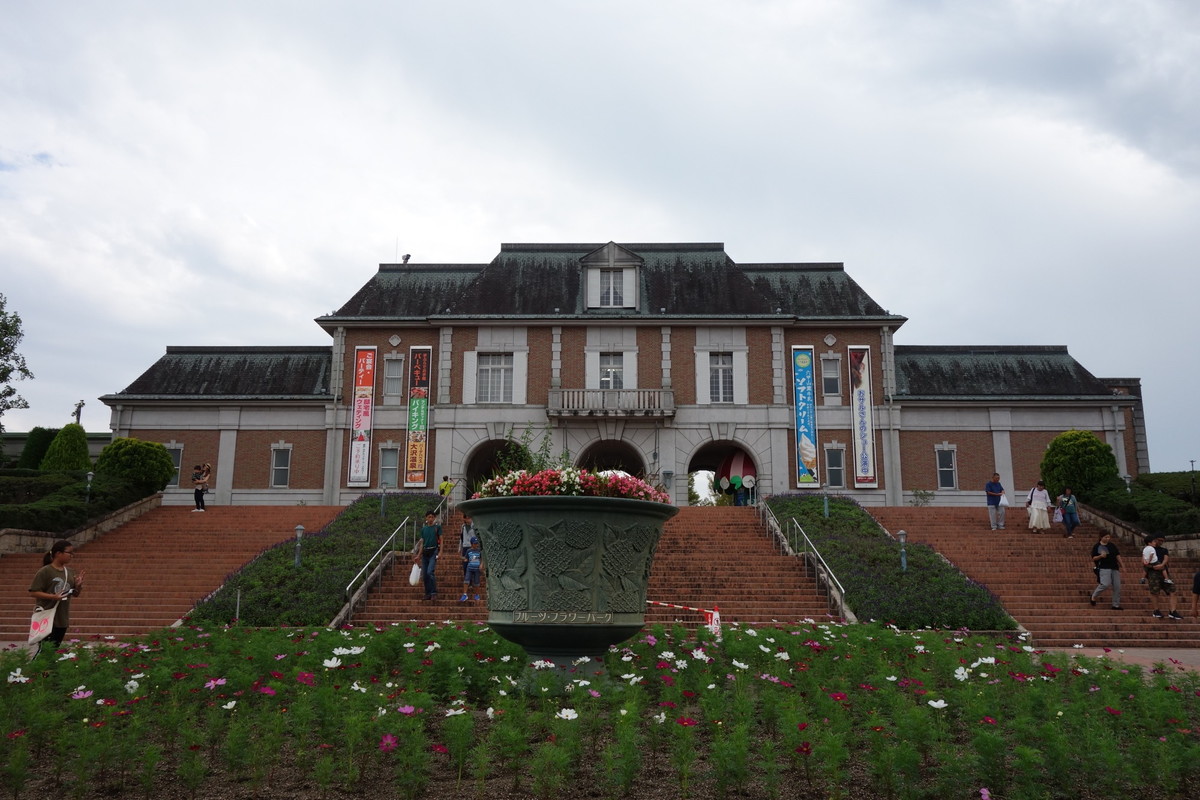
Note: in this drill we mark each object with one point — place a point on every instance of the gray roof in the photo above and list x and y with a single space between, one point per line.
242 373
546 281
981 372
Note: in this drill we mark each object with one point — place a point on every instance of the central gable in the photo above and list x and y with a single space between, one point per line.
612 275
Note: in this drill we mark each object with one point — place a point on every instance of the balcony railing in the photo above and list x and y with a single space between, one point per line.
611 403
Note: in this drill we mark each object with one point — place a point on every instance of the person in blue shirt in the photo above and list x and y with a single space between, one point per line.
995 491
473 564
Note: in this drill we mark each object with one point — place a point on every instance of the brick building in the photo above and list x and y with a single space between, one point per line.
660 359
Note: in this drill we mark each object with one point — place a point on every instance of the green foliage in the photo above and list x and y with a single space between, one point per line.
931 593
68 451
36 444
1078 459
273 591
59 501
521 454
1150 510
12 363
1183 486
145 464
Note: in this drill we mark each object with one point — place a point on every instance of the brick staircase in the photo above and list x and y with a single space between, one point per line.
151 571
1044 580
707 557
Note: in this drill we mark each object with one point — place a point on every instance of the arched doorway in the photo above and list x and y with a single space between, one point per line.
484 463
612 454
730 465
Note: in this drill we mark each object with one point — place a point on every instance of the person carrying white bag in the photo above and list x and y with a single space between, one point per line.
53 587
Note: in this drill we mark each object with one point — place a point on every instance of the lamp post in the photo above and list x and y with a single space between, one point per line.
91 475
1193 461
299 541
1128 484
902 535
382 499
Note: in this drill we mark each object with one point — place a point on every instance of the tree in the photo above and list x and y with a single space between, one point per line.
37 443
68 451
1080 460
12 363
147 464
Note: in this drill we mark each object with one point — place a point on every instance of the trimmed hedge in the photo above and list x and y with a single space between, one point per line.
1150 510
931 593
274 592
58 501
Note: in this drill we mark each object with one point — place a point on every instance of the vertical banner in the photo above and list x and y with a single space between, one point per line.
416 448
362 412
804 389
861 417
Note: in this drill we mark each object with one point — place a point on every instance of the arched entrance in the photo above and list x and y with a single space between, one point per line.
612 454
483 463
731 465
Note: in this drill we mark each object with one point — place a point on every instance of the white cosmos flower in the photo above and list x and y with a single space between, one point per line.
567 713
783 656
358 688
890 678
543 664
961 673
666 655
660 717
680 664
739 664
938 703
132 686
16 677
581 660
332 663
229 706
699 655
454 712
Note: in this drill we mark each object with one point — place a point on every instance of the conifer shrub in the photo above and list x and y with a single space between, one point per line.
68 451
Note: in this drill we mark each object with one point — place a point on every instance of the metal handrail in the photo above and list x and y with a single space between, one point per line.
810 553
382 547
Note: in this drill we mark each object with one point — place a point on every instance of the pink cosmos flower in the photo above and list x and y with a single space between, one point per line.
686 721
306 678
388 743
407 711
267 690
439 748
214 683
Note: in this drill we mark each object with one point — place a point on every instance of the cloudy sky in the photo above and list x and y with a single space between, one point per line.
220 173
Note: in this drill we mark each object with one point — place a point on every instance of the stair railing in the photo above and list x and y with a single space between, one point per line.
814 563
386 555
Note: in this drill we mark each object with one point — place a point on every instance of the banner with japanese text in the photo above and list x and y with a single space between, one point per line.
362 412
861 417
805 394
416 451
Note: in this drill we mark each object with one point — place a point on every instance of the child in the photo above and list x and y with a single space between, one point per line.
473 559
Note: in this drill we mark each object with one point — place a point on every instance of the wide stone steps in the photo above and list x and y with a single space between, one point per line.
151 571
1044 580
707 557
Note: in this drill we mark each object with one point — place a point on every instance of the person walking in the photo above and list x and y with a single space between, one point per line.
1106 557
425 553
53 587
1037 503
472 565
1068 505
996 501
465 536
1155 558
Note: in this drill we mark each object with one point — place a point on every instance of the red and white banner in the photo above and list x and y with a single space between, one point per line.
861 417
362 414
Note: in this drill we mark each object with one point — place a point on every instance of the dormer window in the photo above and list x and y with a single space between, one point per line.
612 285
612 278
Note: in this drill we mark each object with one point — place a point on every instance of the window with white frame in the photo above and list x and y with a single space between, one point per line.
389 467
612 370
612 288
835 467
720 377
494 378
831 375
393 379
281 465
176 453
947 469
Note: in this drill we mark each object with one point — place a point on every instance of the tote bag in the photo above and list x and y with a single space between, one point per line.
41 624
414 575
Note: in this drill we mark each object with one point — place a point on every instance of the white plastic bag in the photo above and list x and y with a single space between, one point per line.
1004 499
414 575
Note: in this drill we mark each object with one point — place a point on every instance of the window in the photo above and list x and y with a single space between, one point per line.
494 382
176 453
393 377
947 473
612 370
720 377
835 467
831 375
389 467
612 288
281 466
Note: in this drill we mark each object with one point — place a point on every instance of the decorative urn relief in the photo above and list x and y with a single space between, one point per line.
567 575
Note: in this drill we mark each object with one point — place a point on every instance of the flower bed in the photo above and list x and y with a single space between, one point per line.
570 481
812 710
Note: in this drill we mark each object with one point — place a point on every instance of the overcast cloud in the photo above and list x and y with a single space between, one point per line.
221 173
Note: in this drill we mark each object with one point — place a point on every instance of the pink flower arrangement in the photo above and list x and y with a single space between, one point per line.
569 481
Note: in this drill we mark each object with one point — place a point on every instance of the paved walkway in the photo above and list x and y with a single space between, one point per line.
1147 657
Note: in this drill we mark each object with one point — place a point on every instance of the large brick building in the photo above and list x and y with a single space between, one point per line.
661 359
